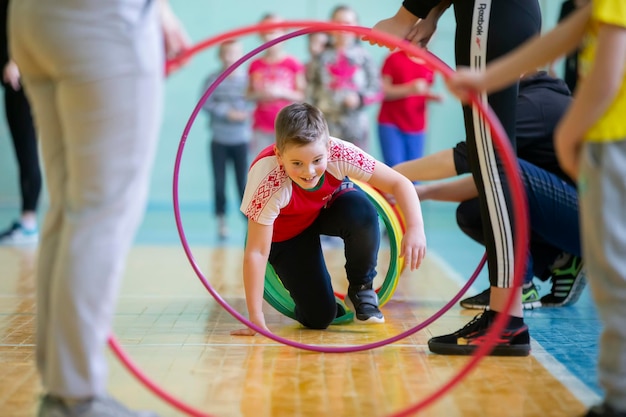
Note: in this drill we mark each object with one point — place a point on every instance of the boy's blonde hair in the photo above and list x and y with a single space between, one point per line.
300 124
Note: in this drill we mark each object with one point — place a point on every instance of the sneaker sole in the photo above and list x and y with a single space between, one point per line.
532 305
20 242
527 306
466 350
470 306
371 320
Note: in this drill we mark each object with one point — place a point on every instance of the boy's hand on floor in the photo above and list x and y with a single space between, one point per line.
248 331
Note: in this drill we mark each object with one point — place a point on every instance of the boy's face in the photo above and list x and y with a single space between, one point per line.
305 164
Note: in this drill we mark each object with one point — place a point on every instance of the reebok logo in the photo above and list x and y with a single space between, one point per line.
481 19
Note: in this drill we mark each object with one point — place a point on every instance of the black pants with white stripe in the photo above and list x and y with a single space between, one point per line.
486 30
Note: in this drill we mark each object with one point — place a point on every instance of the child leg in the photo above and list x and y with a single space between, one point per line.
391 144
414 144
219 153
299 263
353 217
602 196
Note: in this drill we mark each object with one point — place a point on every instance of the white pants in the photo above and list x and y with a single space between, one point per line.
92 70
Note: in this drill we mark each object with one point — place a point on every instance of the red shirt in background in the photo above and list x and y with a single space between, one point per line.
409 113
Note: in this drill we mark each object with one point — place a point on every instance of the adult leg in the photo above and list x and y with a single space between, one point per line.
22 129
486 30
98 152
24 230
42 94
553 209
544 256
469 220
484 33
553 206
553 216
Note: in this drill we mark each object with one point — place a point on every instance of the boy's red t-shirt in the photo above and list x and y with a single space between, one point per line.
271 197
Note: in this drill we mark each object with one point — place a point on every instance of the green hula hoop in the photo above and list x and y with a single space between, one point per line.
278 297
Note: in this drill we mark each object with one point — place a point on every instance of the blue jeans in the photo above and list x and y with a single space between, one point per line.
553 212
398 146
299 262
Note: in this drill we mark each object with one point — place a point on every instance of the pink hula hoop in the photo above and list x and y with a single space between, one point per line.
502 145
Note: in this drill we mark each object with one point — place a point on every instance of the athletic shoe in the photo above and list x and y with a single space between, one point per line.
17 235
604 410
363 300
568 282
530 299
97 407
512 341
478 301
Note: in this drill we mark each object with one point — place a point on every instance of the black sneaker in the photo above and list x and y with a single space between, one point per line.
512 342
477 302
363 300
568 282
530 299
604 410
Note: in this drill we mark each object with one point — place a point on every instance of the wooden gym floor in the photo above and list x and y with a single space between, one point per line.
179 336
